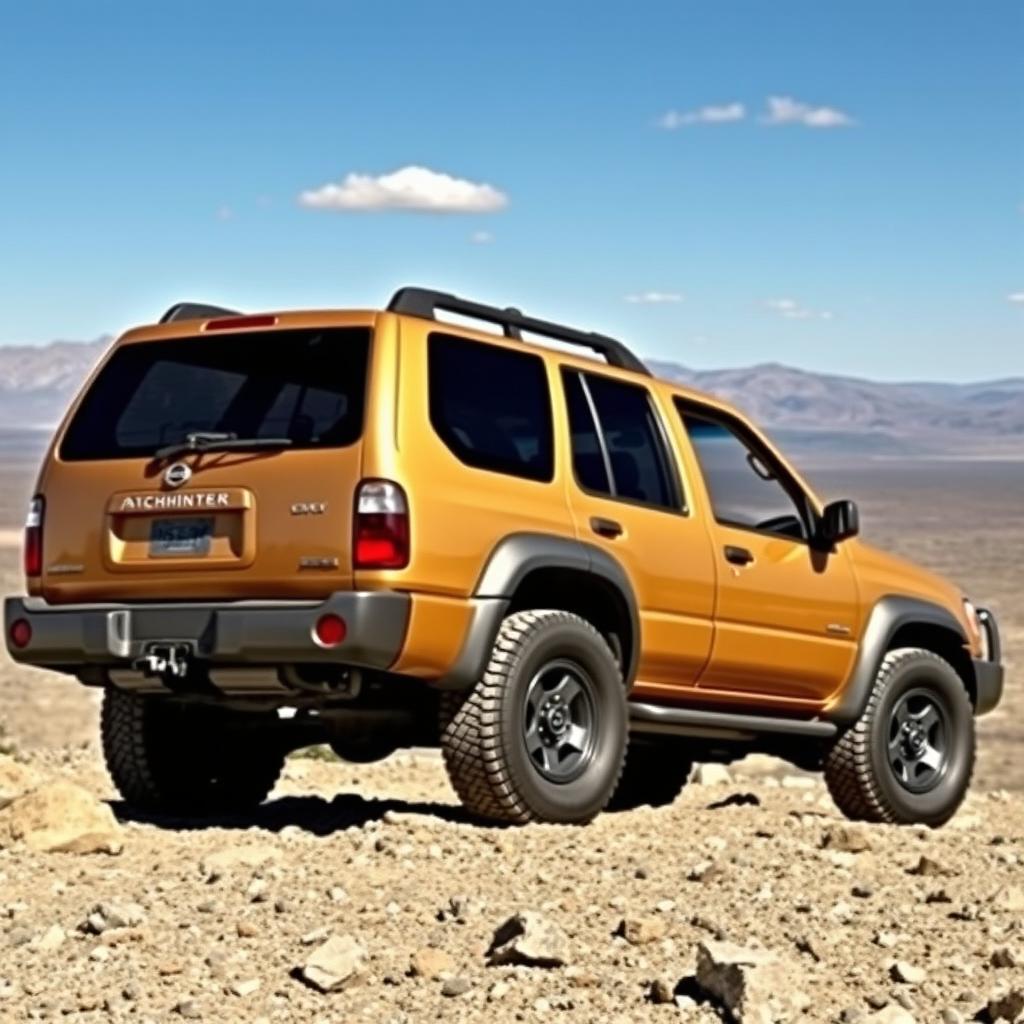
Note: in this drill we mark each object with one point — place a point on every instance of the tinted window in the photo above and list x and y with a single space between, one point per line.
632 440
491 406
306 385
587 457
742 484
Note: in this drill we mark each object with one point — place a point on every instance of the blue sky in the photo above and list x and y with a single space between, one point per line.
873 224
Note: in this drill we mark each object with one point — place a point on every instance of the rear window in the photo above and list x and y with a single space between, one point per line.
306 385
491 406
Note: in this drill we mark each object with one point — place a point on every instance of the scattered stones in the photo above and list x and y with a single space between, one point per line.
639 931
531 940
337 964
455 987
430 963
661 991
216 865
891 1014
752 984
60 817
1008 1006
1006 957
927 867
712 775
908 974
845 838
105 916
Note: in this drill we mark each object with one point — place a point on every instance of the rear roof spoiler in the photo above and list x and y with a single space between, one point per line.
195 311
424 303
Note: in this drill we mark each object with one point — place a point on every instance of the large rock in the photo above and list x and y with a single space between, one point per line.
1007 1006
60 817
891 1014
339 963
530 939
639 931
754 985
15 780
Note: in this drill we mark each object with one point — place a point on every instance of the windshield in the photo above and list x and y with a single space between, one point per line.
303 385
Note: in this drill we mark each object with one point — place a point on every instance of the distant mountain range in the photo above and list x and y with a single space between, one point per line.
812 411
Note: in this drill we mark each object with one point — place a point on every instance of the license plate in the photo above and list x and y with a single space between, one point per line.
180 537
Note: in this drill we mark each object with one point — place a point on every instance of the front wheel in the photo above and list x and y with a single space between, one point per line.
909 758
542 736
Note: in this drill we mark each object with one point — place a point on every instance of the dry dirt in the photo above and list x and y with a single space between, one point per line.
382 853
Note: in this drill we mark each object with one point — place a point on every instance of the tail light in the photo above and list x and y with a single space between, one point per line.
34 537
381 528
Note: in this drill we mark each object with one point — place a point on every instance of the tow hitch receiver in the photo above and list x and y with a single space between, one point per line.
164 660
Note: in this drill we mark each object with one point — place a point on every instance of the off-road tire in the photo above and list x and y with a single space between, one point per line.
165 756
482 728
654 775
860 778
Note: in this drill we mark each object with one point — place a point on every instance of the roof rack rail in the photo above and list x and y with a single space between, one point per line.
423 302
195 311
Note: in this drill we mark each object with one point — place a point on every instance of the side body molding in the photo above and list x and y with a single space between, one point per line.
890 614
511 561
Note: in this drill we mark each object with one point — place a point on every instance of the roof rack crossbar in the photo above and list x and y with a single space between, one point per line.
423 302
195 311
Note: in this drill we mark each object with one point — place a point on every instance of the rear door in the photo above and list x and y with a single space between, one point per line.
272 518
627 497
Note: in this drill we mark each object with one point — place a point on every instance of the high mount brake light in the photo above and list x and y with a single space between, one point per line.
381 526
34 537
230 323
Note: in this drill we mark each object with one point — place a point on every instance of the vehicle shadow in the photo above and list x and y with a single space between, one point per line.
313 814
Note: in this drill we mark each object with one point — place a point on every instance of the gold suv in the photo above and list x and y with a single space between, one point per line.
382 528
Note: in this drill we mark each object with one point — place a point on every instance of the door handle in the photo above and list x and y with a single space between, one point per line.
605 527
737 555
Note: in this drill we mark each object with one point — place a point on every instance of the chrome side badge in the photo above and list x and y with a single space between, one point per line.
177 474
309 508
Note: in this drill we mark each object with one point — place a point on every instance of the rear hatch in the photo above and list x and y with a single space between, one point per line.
210 466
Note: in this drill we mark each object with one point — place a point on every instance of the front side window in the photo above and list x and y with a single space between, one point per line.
743 485
305 385
491 406
618 447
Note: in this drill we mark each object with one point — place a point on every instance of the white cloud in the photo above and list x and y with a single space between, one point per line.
409 188
703 115
1015 297
653 298
786 110
481 237
225 213
793 310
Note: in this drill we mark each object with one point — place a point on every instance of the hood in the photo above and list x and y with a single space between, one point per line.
880 573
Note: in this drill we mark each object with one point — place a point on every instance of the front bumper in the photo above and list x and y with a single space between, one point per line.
243 633
988 670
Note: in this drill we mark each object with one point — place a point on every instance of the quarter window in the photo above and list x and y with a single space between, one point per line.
618 448
491 406
742 482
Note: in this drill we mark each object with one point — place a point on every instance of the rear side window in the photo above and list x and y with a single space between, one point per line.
491 406
618 445
306 385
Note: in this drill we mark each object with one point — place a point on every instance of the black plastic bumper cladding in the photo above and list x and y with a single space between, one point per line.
226 633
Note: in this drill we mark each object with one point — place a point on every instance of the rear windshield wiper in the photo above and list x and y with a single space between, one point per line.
209 440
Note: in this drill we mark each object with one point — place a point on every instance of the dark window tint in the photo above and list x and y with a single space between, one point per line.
741 482
491 406
634 449
306 385
587 457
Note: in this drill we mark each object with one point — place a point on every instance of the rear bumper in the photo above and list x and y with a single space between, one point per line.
988 670
225 633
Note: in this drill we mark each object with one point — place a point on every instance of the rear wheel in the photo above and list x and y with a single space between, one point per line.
654 775
165 755
910 756
541 737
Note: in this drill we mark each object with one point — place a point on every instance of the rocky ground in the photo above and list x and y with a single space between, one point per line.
369 883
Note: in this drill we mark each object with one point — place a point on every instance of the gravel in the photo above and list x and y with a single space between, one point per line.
363 893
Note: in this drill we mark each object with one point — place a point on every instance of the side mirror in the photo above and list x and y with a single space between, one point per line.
840 520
